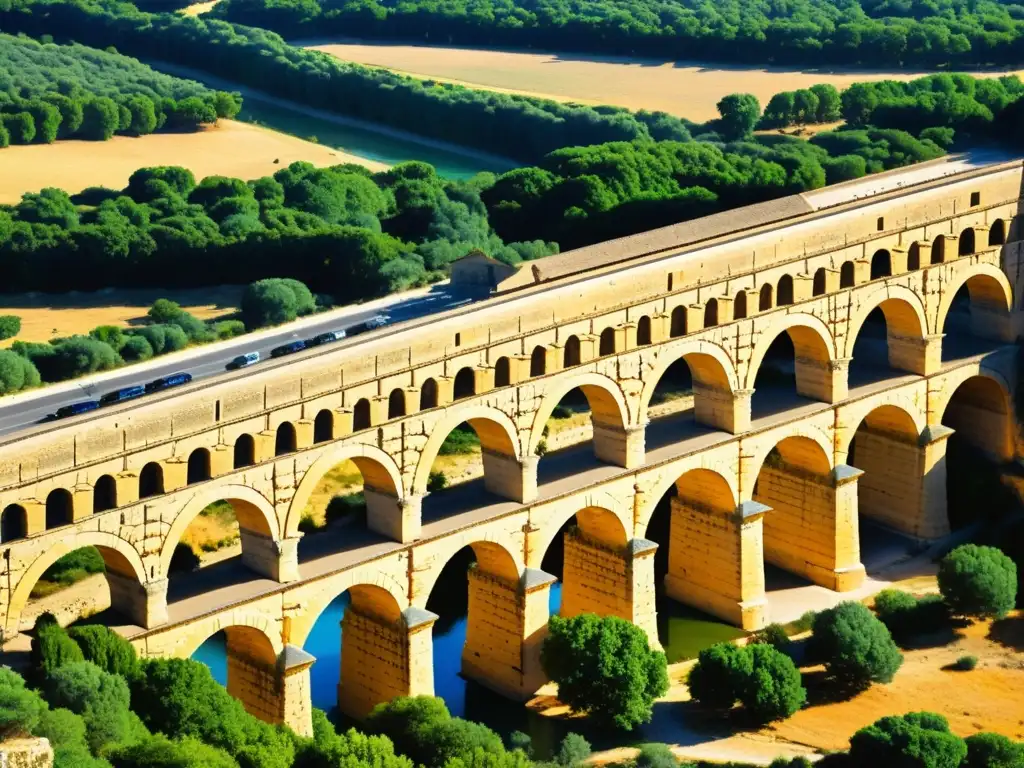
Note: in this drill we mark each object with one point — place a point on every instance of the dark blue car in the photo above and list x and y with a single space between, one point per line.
76 408
174 380
120 395
288 349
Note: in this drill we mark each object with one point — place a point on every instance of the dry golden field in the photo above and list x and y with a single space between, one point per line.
231 149
686 89
198 9
44 316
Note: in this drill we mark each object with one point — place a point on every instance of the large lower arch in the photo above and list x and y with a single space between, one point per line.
903 309
608 408
126 573
979 408
605 519
711 367
257 521
814 355
497 433
991 300
381 477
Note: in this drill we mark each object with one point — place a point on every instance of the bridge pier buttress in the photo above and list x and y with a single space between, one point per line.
506 627
275 559
716 561
145 604
622 447
812 529
922 356
722 408
610 581
382 659
509 477
276 690
823 380
398 519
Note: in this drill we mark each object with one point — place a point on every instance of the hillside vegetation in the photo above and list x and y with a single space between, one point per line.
50 92
871 33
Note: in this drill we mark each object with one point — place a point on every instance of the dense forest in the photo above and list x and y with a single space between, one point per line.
513 126
52 91
873 33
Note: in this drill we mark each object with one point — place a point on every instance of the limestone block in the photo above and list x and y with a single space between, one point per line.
660 327
803 287
81 502
264 446
483 380
510 478
725 309
445 390
589 346
222 460
823 380
398 519
145 604
378 410
296 701
127 488
899 258
722 408
625 337
175 473
303 433
622 447
29 752
922 356
342 422
277 560
694 317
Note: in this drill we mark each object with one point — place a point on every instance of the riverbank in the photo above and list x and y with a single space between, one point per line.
405 145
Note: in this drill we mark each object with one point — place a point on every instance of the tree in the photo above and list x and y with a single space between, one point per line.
20 127
573 750
329 749
656 756
604 667
774 690
830 103
20 708
135 349
100 119
993 750
160 752
720 675
106 649
102 699
46 118
739 114
917 739
274 301
855 647
978 581
143 115
51 648
16 373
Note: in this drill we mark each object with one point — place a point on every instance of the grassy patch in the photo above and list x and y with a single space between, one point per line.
461 440
68 570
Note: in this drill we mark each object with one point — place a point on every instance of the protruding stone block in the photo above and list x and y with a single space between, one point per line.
81 502
35 517
222 460
175 473
922 356
145 604
618 446
483 380
722 408
343 422
127 488
293 667
398 519
277 560
303 434
823 380
510 478
264 446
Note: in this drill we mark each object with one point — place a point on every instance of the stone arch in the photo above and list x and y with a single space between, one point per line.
428 395
538 361
881 264
151 480
938 254
847 275
245 451
571 354
378 469
985 418
60 508
806 448
602 517
253 511
664 482
818 288
903 309
810 336
13 523
198 466
465 384
502 372
643 331
104 494
396 403
361 415
119 557
382 600
492 557
898 418
608 405
606 344
285 441
677 323
914 257
739 306
495 429
765 298
968 242
709 365
323 426
784 292
988 287
711 313
997 233
246 628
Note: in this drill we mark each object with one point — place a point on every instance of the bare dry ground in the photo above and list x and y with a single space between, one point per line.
198 9
687 89
231 148
44 316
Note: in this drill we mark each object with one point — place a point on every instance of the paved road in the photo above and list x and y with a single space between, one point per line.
212 359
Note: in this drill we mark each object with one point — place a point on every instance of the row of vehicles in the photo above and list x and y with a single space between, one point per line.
242 361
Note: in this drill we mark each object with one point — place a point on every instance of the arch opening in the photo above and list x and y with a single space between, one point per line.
151 480
677 323
571 353
784 293
241 658
938 254
886 342
396 404
60 508
606 345
538 361
739 306
997 233
765 298
465 384
198 466
818 288
966 244
13 523
104 494
285 441
881 264
847 277
711 313
361 415
977 318
323 426
795 363
428 395
914 257
245 451
502 372
643 331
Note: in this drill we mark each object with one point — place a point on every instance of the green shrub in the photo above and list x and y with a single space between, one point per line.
774 690
437 481
521 741
17 372
20 708
274 301
160 752
790 762
993 750
74 566
978 581
461 440
136 349
63 728
342 507
329 749
52 648
773 635
10 326
918 739
228 329
718 678
656 756
109 334
106 649
906 615
573 750
102 699
605 668
855 647
966 663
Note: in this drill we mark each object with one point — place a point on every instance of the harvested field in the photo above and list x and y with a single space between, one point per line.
44 316
231 149
687 89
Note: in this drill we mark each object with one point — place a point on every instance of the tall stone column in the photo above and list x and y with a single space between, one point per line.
383 659
623 447
610 581
507 624
933 509
812 530
722 408
510 478
398 519
277 560
296 700
716 561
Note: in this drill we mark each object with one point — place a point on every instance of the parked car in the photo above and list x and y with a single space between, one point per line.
174 380
325 338
75 408
372 323
288 349
120 395
249 358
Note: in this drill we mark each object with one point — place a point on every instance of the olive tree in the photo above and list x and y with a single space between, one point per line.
978 581
855 647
